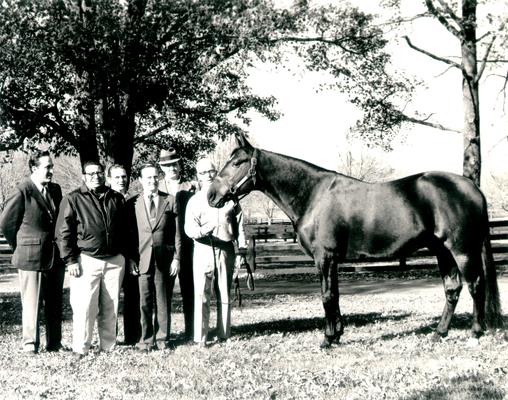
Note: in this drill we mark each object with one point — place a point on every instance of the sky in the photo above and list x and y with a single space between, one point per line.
314 123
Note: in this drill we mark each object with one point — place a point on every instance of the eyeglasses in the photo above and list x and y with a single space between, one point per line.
209 172
95 173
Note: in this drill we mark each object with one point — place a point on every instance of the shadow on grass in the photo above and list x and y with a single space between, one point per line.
464 387
461 321
288 325
10 308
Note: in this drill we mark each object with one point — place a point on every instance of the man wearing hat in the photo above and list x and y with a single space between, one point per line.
173 184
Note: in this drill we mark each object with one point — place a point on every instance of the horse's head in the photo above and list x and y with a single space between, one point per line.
237 177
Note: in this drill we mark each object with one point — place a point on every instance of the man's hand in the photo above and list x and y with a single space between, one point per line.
206 230
175 267
74 270
133 267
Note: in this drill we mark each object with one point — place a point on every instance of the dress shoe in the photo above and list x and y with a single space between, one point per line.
54 348
143 350
29 350
77 356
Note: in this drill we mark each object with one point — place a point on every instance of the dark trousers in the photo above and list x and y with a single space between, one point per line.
38 288
131 310
186 280
155 291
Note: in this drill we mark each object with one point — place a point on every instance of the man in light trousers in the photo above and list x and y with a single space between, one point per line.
219 247
91 237
28 223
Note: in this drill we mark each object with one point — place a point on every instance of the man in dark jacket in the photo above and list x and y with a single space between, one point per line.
119 181
156 237
28 223
91 237
172 183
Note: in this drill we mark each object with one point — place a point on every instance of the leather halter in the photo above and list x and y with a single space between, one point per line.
251 174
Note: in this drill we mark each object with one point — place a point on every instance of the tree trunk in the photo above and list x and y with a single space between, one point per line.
470 92
122 149
86 127
118 135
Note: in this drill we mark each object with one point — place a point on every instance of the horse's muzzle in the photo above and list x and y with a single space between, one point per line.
214 198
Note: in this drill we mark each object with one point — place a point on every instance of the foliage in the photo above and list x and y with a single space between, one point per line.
386 351
104 77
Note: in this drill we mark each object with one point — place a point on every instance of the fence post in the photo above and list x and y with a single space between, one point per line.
251 253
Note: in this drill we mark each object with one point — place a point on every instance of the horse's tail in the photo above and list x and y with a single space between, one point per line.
493 313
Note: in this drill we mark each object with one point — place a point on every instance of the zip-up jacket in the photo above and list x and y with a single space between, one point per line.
84 226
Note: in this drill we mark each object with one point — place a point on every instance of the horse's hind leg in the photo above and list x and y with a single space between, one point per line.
327 267
452 286
473 275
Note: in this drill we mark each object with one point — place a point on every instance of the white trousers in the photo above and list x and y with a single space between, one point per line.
212 266
94 296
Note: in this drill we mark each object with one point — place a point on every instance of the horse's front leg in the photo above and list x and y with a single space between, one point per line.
327 267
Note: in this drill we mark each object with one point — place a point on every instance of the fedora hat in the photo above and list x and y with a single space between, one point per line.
168 156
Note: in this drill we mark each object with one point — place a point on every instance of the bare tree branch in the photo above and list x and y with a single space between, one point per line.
449 10
430 124
445 60
445 71
399 21
484 61
152 133
441 18
336 42
483 36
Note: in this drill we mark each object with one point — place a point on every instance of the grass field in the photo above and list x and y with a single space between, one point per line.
385 353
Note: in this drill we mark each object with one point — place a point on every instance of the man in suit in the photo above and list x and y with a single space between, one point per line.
28 223
91 236
156 236
172 183
119 181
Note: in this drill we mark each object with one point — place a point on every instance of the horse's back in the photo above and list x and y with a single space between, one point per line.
396 217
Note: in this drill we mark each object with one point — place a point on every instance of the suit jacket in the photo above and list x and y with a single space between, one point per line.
185 190
28 224
162 240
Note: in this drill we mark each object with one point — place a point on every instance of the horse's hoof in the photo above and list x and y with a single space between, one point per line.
437 336
472 342
325 344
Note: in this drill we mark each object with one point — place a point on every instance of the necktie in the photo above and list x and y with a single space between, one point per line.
152 210
46 198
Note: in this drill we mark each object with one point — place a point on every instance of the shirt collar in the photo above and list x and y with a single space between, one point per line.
37 184
155 195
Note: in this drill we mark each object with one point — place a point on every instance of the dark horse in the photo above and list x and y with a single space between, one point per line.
338 217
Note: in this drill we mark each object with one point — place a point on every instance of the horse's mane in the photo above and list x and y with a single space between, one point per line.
308 165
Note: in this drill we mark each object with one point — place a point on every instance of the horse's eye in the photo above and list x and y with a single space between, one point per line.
236 163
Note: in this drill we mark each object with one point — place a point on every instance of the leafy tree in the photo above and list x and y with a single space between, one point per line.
103 78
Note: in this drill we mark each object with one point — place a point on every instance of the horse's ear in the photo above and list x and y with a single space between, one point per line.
242 141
